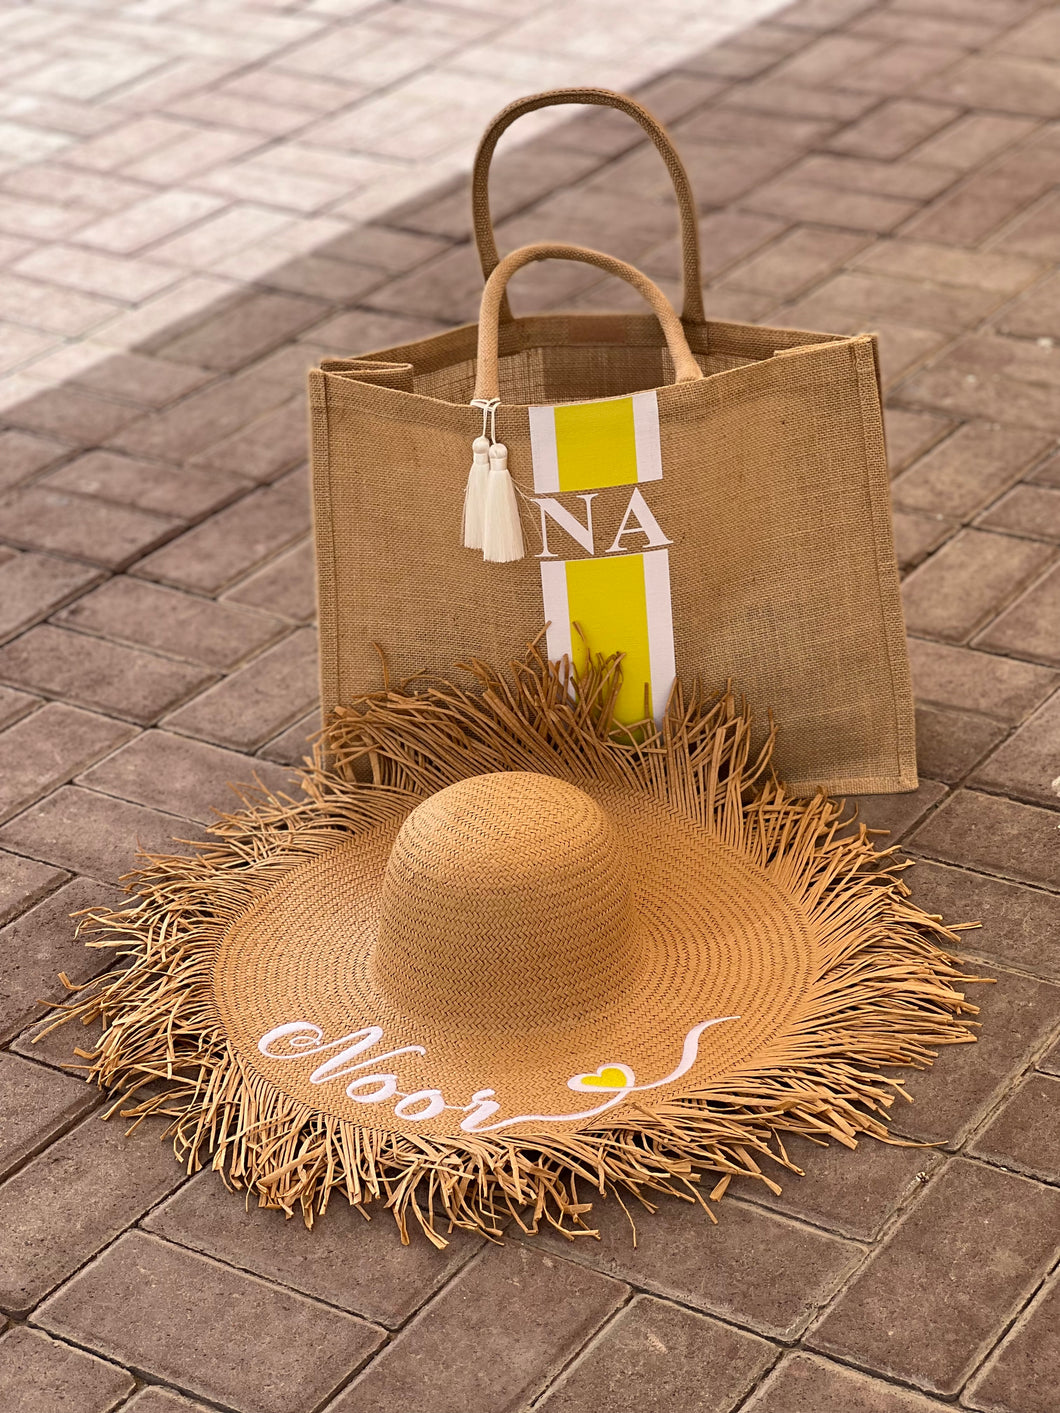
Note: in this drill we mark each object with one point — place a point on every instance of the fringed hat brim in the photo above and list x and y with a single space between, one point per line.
883 994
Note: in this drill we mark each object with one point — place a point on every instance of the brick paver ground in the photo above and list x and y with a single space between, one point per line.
860 164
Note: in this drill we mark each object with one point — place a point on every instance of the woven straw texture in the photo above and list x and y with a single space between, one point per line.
521 932
774 495
485 895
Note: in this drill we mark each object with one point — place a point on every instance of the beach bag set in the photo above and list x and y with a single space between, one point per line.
548 928
709 498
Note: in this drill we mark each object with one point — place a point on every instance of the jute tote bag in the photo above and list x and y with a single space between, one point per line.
709 498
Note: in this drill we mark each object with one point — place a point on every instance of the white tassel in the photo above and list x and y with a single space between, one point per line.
475 495
502 538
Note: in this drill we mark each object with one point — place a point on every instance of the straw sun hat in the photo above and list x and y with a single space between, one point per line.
504 954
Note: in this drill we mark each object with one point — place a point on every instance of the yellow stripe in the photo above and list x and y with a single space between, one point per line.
606 601
596 444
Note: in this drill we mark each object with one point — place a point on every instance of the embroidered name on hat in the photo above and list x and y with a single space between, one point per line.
297 1040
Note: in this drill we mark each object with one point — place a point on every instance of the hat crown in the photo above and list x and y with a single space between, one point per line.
506 901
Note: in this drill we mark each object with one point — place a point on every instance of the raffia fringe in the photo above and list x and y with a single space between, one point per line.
884 995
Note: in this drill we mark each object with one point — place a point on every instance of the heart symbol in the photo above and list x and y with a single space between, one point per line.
606 1077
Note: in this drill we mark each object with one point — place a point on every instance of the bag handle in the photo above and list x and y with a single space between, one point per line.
686 369
482 220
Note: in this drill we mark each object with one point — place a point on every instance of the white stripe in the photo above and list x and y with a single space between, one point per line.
557 609
646 436
660 628
543 449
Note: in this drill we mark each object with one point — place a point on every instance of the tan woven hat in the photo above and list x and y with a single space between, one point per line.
504 947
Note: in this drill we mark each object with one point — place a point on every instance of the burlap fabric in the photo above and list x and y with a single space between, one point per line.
773 501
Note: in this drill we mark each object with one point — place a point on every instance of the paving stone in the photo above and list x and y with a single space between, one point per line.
266 448
157 216
897 814
754 1268
1036 38
181 776
1017 1016
135 685
39 945
35 1105
183 1318
291 747
181 625
902 67
449 288
800 258
259 700
969 469
234 541
948 265
386 246
1035 314
160 1400
1005 380
813 201
949 743
22 454
72 1200
473 1349
910 434
198 421
347 1262
24 882
969 580
1035 233
58 1047
802 1382
60 311
773 94
286 586
21 345
870 298
917 536
42 1375
41 518
893 128
15 705
1025 1133
1020 1376
902 346
86 832
725 236
359 330
130 377
1026 510
48 747
96 273
979 205
1046 474
976 681
1014 85
713 124
973 1248
184 492
1020 925
73 414
995 835
1029 627
828 58
1028 763
245 328
32 585
687 1361
851 1193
